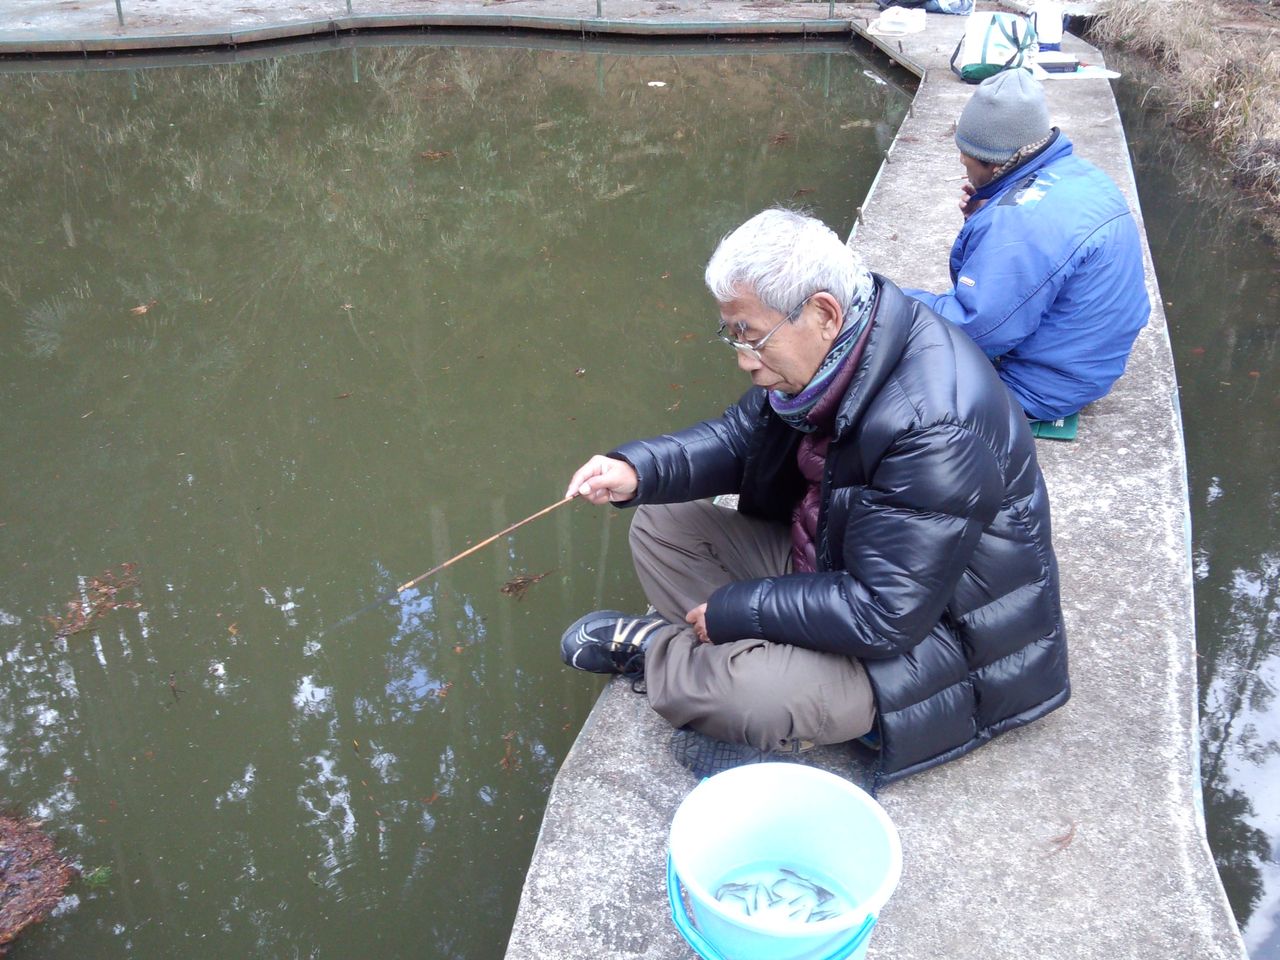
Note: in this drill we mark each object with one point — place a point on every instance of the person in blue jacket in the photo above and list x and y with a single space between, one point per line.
1047 271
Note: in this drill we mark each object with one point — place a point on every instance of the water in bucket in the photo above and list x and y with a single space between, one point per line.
738 831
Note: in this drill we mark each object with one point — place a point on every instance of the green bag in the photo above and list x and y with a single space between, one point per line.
1064 429
993 42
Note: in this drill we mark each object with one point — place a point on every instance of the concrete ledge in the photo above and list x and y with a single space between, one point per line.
303 29
48 28
1080 836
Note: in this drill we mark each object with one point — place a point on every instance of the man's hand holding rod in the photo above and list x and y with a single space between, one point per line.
604 480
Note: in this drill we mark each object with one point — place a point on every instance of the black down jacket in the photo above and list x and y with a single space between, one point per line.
935 566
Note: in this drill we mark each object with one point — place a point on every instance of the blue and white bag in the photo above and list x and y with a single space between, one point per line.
957 7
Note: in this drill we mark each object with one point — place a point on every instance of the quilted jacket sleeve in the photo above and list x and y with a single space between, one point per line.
908 536
701 461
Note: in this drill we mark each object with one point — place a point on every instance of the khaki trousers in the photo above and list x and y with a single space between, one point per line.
747 691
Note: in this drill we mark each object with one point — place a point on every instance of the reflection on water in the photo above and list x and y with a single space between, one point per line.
1221 283
284 340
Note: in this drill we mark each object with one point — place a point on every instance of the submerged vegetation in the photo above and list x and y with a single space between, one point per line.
1221 67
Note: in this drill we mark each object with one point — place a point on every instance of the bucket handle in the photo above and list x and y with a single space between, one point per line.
708 951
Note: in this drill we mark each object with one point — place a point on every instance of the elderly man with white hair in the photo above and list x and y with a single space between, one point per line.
888 575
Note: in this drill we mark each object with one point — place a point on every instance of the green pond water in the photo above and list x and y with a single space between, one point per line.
1220 279
279 336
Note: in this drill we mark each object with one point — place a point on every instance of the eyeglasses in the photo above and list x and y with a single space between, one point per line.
752 349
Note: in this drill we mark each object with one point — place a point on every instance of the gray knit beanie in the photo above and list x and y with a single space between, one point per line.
1006 112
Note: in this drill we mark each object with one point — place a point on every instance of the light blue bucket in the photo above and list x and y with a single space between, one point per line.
788 814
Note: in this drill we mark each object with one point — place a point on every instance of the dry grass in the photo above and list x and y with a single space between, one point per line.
1223 70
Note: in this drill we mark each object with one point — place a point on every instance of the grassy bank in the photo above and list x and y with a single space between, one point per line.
1221 78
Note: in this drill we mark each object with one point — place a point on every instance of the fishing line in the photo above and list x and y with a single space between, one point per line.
409 584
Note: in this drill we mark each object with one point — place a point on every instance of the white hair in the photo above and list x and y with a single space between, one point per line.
784 257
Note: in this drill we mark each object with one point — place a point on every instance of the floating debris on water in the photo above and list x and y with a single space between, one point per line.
517 585
33 877
781 893
98 597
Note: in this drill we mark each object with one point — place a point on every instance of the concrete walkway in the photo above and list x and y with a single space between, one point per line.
1078 837
94 26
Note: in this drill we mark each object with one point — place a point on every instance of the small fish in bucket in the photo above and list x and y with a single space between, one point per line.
780 861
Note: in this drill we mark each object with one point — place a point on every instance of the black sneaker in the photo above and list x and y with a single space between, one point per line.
609 641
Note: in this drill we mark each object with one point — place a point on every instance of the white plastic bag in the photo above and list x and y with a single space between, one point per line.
898 22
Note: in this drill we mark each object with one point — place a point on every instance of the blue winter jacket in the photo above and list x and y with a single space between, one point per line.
1047 277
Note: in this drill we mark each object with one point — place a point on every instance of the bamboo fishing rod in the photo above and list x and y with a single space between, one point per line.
409 584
